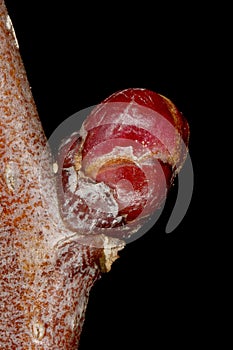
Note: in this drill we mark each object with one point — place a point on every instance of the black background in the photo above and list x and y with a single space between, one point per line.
155 295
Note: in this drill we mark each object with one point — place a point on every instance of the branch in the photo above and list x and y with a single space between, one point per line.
47 270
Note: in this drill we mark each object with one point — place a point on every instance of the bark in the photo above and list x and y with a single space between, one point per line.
46 270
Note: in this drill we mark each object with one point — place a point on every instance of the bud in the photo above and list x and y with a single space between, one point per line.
116 170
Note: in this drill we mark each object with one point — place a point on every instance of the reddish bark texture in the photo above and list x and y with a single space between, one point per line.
46 271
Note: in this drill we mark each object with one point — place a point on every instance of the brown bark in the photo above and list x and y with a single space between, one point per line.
46 271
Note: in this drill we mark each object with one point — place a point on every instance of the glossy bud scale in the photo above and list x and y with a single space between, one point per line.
115 171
